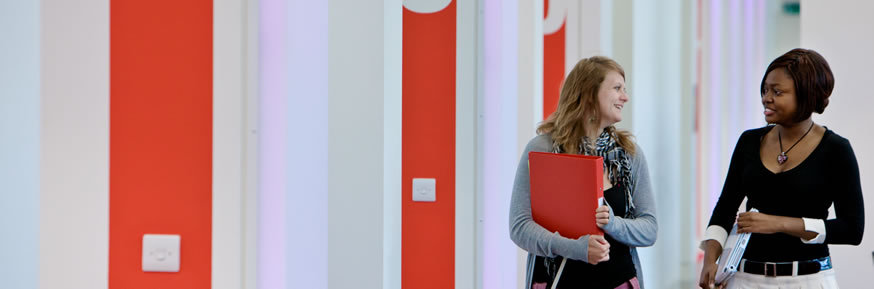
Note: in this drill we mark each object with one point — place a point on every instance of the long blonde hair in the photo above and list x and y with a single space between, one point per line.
579 110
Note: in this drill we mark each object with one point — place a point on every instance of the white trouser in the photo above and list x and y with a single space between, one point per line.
824 280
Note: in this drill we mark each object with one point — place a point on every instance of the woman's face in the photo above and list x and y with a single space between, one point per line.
778 97
612 97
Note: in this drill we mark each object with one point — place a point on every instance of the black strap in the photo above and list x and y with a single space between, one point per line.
781 269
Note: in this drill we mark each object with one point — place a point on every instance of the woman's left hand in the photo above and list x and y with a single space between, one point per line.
754 222
602 216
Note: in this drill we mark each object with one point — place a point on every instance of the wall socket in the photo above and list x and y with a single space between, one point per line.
161 253
424 190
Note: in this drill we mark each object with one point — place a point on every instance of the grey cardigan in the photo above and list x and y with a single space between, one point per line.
639 231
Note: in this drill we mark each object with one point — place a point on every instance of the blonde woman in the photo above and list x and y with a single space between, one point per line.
590 103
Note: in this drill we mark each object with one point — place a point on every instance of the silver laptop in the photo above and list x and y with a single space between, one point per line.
733 252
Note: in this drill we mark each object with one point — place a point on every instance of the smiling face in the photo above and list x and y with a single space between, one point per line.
612 98
778 97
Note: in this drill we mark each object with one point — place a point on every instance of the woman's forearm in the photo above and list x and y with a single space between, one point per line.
795 227
712 250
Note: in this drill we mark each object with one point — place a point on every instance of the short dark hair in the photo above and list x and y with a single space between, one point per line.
813 79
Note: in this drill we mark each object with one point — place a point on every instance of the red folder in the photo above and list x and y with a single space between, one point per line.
565 191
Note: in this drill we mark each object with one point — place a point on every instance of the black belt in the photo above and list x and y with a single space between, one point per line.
774 269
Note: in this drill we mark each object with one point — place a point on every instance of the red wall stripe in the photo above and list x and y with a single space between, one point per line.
553 66
160 178
545 8
428 147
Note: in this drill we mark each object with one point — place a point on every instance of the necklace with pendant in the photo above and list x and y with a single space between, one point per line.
782 157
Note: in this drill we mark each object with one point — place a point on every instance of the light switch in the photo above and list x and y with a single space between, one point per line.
161 253
424 190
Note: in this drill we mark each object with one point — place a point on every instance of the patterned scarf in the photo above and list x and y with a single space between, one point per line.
617 163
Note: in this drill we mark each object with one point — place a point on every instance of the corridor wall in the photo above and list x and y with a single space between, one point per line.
833 31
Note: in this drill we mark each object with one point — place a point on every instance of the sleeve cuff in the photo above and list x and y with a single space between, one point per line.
817 226
715 232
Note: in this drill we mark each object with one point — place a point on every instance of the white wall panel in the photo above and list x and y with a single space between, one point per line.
272 128
392 142
19 142
498 146
74 164
229 96
307 128
466 271
840 34
355 144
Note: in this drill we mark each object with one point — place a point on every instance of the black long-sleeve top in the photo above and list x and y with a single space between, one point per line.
829 175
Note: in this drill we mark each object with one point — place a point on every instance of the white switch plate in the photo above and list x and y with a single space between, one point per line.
161 253
424 190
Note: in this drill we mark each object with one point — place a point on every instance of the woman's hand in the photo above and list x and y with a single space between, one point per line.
754 222
599 249
712 249
708 277
602 216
